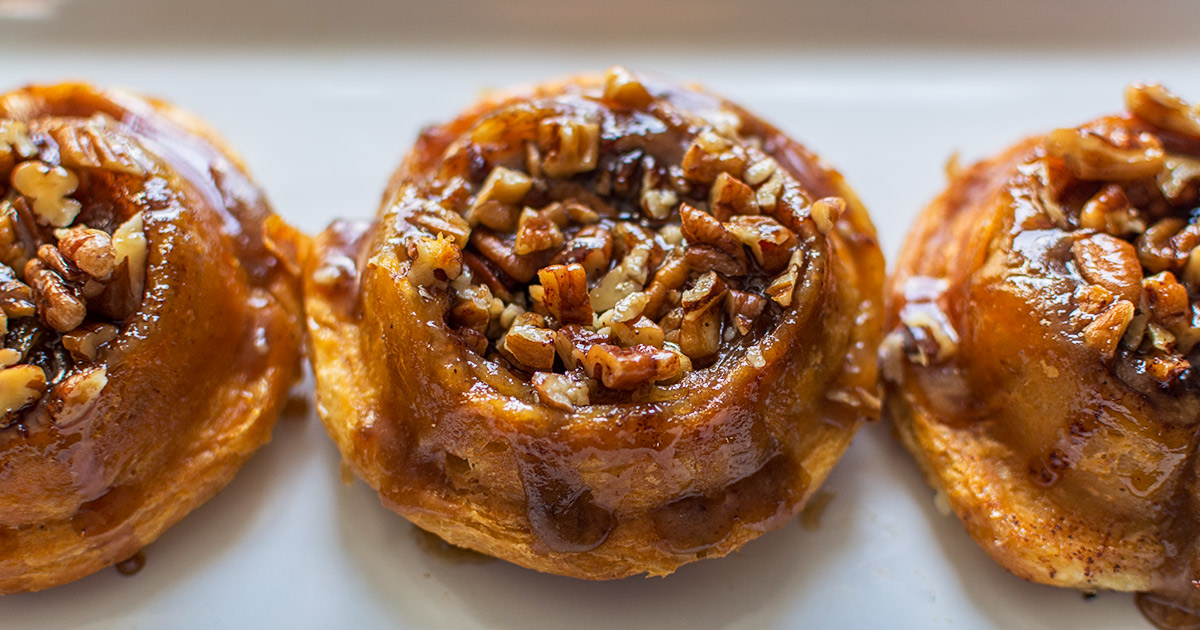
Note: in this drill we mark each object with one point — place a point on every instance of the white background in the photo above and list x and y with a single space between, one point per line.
322 99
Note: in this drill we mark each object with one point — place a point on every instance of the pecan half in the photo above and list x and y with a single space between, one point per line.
1109 262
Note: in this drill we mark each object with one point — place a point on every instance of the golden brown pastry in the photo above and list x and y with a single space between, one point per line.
600 327
1040 363
150 303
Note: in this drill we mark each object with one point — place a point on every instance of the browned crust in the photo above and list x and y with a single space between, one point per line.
369 364
182 412
1019 525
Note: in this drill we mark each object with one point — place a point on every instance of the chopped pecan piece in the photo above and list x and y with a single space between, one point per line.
90 250
1191 269
624 89
15 139
131 249
591 247
504 185
825 212
20 386
1093 157
760 171
1157 106
1110 211
529 346
783 288
56 262
1168 300
770 242
1109 262
518 267
48 186
672 275
16 297
621 280
700 330
1167 244
579 213
1106 331
573 341
638 331
743 308
72 398
709 155
435 261
1179 180
84 342
707 257
627 368
568 146
767 194
659 202
562 391
90 146
57 305
493 214
536 232
9 357
629 308
730 196
566 293
471 307
701 227
435 219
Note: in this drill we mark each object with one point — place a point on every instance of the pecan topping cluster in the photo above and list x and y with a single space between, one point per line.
1129 191
65 287
607 240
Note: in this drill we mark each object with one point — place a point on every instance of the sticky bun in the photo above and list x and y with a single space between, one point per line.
600 327
1041 357
149 304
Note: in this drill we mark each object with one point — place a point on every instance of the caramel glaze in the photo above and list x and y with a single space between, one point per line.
646 480
198 372
1067 463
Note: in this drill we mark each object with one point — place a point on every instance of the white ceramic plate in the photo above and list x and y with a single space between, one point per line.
323 99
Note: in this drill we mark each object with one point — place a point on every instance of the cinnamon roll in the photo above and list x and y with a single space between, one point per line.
149 305
599 327
1041 359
